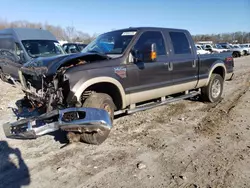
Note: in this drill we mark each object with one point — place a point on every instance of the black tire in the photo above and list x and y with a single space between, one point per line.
245 52
103 101
235 54
211 92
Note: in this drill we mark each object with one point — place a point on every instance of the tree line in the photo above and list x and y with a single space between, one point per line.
71 34
234 37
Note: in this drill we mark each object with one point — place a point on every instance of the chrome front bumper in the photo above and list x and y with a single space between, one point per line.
70 119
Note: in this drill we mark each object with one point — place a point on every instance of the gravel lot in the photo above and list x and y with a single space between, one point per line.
185 144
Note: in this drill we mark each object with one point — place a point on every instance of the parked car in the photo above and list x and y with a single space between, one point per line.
236 52
142 68
214 48
246 45
245 48
20 45
237 47
200 49
73 47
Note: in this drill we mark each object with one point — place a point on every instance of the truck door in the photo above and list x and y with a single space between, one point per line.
149 75
183 60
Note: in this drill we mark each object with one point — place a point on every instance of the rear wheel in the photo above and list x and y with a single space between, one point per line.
245 52
213 91
103 101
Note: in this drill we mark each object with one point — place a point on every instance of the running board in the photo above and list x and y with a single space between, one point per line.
162 102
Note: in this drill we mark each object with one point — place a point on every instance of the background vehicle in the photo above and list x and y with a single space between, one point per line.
73 47
236 51
245 48
20 45
200 50
142 68
237 47
214 48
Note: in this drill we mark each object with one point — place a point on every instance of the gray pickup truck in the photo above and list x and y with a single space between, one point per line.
122 71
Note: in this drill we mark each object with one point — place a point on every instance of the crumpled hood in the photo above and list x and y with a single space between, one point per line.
49 65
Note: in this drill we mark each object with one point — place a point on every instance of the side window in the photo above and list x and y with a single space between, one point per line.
180 43
7 48
150 37
7 44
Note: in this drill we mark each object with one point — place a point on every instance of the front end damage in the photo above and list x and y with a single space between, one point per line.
45 83
74 120
46 102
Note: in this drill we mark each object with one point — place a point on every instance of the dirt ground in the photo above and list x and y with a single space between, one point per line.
185 144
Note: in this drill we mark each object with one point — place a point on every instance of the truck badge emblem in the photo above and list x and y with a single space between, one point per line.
121 72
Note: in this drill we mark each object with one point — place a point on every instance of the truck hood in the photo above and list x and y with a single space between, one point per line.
49 65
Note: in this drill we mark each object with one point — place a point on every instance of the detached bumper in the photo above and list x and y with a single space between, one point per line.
70 119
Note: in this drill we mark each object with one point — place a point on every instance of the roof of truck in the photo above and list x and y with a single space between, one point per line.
29 33
150 28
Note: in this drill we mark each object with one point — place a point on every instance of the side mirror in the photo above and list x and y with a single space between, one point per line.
147 54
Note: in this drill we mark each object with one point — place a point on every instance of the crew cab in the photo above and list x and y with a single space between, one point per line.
20 45
124 71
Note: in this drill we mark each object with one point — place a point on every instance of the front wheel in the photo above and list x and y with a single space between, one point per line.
213 91
103 101
236 54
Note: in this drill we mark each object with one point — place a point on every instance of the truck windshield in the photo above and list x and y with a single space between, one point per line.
42 48
114 42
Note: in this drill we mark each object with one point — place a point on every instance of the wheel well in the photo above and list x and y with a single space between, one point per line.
220 71
110 89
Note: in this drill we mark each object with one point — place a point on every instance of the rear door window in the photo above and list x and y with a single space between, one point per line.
180 43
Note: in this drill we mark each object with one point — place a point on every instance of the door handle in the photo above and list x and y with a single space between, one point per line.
170 66
194 64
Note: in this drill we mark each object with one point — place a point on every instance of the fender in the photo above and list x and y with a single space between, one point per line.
214 66
78 90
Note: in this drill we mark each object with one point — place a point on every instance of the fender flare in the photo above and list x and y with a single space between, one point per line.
214 66
78 90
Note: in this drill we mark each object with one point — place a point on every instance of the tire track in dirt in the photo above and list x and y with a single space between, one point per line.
219 114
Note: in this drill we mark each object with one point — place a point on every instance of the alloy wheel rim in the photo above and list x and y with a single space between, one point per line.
216 88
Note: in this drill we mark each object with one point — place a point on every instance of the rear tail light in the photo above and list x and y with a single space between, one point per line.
229 59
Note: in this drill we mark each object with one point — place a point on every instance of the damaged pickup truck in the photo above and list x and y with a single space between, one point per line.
121 71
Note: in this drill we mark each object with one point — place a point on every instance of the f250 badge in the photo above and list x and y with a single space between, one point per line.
121 72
